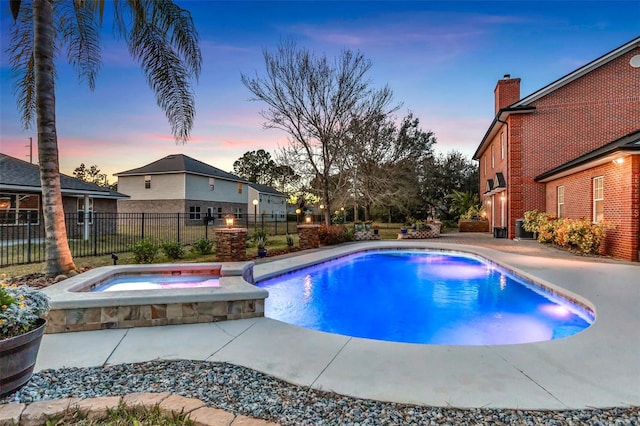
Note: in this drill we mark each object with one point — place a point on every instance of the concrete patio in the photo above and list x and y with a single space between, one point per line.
595 368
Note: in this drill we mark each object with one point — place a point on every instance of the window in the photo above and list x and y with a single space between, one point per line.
598 199
239 187
19 209
81 211
219 212
493 158
502 146
239 212
560 201
212 184
210 212
147 182
485 164
194 212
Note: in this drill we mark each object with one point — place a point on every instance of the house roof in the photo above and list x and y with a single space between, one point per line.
524 104
19 175
180 163
626 144
264 189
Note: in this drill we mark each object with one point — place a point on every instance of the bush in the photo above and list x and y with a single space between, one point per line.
334 234
576 234
144 251
581 235
532 220
173 249
202 246
289 240
258 235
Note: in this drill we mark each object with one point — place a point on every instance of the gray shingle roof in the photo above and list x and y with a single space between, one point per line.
265 189
18 173
180 163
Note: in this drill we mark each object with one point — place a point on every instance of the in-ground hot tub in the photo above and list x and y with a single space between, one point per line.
225 292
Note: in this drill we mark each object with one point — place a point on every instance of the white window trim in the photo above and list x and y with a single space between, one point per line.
596 198
81 211
560 200
147 182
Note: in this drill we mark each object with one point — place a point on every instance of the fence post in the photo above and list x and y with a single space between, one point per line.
95 233
142 226
28 236
178 226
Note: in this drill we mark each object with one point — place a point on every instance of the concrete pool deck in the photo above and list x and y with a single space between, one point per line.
596 368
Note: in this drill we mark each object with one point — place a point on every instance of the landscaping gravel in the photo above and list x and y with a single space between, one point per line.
244 391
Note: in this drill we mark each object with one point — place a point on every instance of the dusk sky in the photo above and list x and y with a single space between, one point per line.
441 59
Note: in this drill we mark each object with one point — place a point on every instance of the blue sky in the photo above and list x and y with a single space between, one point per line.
441 59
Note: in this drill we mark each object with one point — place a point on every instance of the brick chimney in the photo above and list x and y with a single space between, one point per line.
507 91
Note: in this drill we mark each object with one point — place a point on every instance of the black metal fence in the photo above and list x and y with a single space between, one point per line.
22 241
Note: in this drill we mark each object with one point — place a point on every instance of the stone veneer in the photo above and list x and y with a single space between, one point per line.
231 244
75 308
309 237
106 317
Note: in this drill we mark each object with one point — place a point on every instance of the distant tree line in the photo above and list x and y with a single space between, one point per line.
347 148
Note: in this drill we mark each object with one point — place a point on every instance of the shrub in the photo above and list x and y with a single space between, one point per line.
289 240
261 242
546 228
576 234
20 309
582 235
334 234
144 251
202 246
532 220
173 249
258 235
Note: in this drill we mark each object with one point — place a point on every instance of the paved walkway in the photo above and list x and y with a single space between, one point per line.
595 368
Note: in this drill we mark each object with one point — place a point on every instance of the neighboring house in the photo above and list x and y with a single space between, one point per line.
180 184
21 195
570 148
266 202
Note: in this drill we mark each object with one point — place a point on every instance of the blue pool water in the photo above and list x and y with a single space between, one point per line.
417 296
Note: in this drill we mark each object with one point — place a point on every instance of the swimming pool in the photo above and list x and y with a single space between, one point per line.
420 296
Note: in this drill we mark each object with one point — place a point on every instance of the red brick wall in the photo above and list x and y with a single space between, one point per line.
583 115
507 92
621 203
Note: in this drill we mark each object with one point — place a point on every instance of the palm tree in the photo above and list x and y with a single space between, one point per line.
159 34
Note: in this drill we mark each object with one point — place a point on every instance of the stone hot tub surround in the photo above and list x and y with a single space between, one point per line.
74 308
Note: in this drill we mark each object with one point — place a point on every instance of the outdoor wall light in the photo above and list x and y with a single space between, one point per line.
618 160
228 220
308 219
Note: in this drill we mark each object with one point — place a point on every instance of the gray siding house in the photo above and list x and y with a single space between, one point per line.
181 184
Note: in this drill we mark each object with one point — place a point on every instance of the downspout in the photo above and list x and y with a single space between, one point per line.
506 148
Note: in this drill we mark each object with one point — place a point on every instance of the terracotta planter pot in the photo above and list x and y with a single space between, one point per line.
18 357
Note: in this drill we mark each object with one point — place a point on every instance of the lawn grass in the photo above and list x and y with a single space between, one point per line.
276 244
123 416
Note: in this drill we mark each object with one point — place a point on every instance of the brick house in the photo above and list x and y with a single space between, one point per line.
21 200
181 184
570 148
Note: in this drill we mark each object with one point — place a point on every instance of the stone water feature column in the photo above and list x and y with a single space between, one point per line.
231 244
309 237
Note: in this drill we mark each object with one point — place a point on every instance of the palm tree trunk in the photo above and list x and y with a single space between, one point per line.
57 253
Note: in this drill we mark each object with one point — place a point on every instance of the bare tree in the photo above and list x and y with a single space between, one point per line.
314 101
384 160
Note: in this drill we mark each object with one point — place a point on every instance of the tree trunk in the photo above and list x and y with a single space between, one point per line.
57 253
